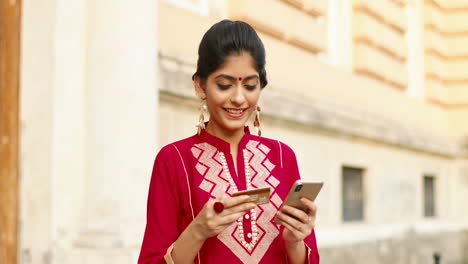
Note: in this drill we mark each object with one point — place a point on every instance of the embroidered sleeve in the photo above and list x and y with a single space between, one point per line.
163 210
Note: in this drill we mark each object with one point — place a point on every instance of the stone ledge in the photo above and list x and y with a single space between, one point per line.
98 255
409 247
175 82
349 234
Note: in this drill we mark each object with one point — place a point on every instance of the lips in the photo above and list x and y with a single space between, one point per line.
235 112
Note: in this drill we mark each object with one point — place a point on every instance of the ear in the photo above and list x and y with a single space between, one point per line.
199 87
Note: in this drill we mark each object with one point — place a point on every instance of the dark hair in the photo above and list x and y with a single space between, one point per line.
227 38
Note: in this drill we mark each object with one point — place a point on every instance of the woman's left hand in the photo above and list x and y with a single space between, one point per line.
298 224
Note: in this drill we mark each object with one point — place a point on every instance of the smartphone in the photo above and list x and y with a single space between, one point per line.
301 188
258 195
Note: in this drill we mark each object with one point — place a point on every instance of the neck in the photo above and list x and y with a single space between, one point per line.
232 137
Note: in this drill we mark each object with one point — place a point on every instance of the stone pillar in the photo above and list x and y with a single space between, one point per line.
340 34
68 142
121 131
416 49
36 98
89 101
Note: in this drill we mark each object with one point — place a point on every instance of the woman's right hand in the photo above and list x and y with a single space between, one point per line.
209 223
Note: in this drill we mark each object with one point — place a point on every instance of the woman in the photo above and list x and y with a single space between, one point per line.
191 214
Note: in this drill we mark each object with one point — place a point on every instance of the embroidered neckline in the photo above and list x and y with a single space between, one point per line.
221 144
253 214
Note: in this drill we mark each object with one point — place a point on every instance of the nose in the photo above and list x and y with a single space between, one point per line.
238 96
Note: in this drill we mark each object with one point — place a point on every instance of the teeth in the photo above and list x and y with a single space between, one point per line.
234 111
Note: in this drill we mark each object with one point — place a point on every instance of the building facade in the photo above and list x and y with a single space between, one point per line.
372 95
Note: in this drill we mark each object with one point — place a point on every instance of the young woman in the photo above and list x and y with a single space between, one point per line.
191 214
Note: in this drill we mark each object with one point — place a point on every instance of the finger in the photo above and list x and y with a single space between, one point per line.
233 201
310 205
209 209
293 222
231 218
293 230
240 208
299 214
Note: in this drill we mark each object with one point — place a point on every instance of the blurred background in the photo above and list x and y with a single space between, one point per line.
371 94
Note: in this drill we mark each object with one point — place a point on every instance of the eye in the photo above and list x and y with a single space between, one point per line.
250 87
223 86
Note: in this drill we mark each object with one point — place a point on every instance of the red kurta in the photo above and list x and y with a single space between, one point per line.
189 172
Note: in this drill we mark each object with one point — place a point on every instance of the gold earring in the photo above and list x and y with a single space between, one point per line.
257 121
201 119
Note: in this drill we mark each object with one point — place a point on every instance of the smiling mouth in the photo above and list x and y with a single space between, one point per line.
235 111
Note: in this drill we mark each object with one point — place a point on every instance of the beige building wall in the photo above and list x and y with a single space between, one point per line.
349 85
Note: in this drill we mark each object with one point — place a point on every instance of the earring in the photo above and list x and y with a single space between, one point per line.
201 119
257 121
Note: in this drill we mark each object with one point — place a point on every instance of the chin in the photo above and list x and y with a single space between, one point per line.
234 125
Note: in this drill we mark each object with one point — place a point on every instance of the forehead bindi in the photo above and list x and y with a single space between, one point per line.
238 66
234 78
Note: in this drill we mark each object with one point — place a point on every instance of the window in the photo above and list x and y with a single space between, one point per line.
353 194
429 196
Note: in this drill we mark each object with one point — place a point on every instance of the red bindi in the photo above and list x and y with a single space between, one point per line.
240 78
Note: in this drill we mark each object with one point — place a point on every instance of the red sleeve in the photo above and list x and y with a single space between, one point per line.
163 209
292 169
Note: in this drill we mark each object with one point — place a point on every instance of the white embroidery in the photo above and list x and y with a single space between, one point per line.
209 166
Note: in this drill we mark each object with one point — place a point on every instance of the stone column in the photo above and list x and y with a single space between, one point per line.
121 118
36 98
340 34
68 137
416 49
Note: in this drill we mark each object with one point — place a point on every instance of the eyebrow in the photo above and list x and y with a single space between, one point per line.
231 78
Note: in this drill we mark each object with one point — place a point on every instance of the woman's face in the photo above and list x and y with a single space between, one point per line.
232 93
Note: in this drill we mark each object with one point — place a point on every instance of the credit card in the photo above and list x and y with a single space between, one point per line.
258 196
